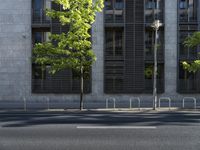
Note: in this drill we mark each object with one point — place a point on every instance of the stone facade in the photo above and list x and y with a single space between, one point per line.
15 48
15 60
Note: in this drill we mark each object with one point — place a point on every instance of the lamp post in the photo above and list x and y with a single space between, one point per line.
155 25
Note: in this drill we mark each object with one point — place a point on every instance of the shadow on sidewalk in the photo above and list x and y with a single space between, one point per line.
148 118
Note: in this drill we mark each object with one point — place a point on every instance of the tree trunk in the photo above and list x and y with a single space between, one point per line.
81 89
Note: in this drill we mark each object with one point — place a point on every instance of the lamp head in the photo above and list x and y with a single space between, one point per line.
156 24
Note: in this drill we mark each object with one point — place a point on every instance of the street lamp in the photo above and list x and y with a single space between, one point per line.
155 25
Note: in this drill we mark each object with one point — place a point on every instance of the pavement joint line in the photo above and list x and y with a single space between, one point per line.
116 127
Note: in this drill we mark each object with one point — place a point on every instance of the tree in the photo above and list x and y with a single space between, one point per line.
192 42
73 49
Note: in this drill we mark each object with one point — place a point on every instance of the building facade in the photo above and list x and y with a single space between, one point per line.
123 41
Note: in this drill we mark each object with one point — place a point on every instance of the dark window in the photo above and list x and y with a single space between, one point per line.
185 52
38 11
37 37
149 77
183 4
153 10
40 37
188 10
114 72
114 11
37 4
114 39
150 41
189 82
109 12
150 4
119 10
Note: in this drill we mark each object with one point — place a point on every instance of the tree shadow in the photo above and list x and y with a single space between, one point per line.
23 119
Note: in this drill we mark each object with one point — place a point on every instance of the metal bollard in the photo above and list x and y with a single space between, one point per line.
114 101
25 105
191 98
48 101
135 98
165 98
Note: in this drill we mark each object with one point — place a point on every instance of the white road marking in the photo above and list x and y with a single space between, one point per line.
116 127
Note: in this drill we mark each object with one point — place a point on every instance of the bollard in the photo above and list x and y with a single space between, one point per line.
165 98
25 106
48 101
114 101
135 98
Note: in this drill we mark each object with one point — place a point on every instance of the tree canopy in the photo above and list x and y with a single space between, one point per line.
192 42
73 49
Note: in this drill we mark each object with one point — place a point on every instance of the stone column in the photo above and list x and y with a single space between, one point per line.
171 47
15 43
98 47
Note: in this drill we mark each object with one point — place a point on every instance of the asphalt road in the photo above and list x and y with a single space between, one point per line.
100 131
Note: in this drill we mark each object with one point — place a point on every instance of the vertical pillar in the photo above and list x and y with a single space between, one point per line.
98 47
15 44
171 46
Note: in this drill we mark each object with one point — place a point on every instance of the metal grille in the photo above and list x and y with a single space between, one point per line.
134 57
126 75
188 22
132 63
39 17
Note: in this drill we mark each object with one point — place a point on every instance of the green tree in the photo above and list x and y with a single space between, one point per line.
192 42
73 49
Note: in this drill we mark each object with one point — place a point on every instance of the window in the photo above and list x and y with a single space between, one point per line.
153 10
188 82
148 72
150 4
114 39
38 10
185 52
114 11
183 4
40 37
188 10
37 5
114 73
150 41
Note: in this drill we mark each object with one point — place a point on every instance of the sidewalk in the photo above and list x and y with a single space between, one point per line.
99 111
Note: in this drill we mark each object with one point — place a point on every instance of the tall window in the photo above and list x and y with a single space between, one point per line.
151 13
188 82
38 10
39 73
150 41
185 52
188 10
114 11
114 40
148 72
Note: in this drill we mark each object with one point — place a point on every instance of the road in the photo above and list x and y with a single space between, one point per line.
100 131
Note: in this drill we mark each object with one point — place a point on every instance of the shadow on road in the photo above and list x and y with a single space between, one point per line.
8 119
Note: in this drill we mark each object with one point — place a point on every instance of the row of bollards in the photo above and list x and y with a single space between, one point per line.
138 100
112 100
